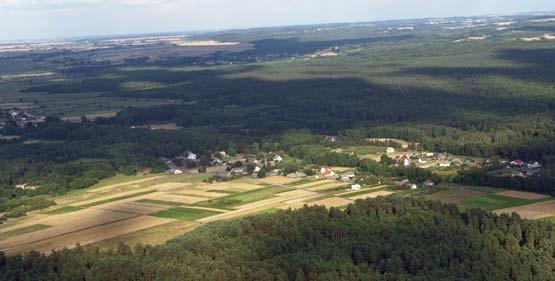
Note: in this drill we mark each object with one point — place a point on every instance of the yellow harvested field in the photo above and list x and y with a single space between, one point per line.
111 196
523 195
127 183
183 199
87 236
532 211
278 180
201 193
372 195
332 202
229 186
132 208
314 183
169 186
295 193
356 191
67 223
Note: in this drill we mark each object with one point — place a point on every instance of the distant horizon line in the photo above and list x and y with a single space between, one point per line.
204 31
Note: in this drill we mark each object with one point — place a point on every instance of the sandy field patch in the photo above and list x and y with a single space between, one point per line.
183 199
332 202
133 208
523 195
90 235
454 195
371 195
532 211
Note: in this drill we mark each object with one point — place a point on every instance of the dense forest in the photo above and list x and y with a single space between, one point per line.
383 239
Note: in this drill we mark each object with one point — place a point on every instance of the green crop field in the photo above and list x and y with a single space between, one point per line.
228 202
492 202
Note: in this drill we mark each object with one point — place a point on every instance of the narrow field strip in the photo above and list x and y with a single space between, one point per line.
185 214
101 202
23 230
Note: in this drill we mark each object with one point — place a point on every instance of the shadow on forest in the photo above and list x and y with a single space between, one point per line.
295 46
535 65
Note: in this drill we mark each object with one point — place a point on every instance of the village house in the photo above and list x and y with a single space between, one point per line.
517 163
278 159
404 160
444 164
534 165
390 150
356 187
457 162
175 171
296 175
327 172
237 171
441 156
429 183
401 183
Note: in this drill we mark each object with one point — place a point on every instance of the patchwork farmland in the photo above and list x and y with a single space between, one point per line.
155 208
152 209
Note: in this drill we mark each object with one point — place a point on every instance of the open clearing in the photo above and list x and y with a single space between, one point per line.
533 211
522 195
492 202
454 195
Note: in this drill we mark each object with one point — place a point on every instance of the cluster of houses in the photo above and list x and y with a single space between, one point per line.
407 184
523 169
21 118
430 159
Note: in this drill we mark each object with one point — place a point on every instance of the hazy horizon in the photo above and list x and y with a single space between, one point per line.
57 19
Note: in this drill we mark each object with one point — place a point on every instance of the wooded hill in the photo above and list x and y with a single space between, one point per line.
382 239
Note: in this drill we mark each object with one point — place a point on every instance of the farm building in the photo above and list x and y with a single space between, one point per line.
175 171
327 172
356 187
390 150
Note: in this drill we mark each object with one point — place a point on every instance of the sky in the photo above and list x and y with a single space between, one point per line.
30 19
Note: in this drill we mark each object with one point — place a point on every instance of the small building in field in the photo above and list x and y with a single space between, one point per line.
297 175
534 165
413 187
444 164
401 183
356 187
404 160
429 183
390 150
175 171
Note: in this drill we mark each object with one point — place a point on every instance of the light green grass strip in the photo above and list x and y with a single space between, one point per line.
21 231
